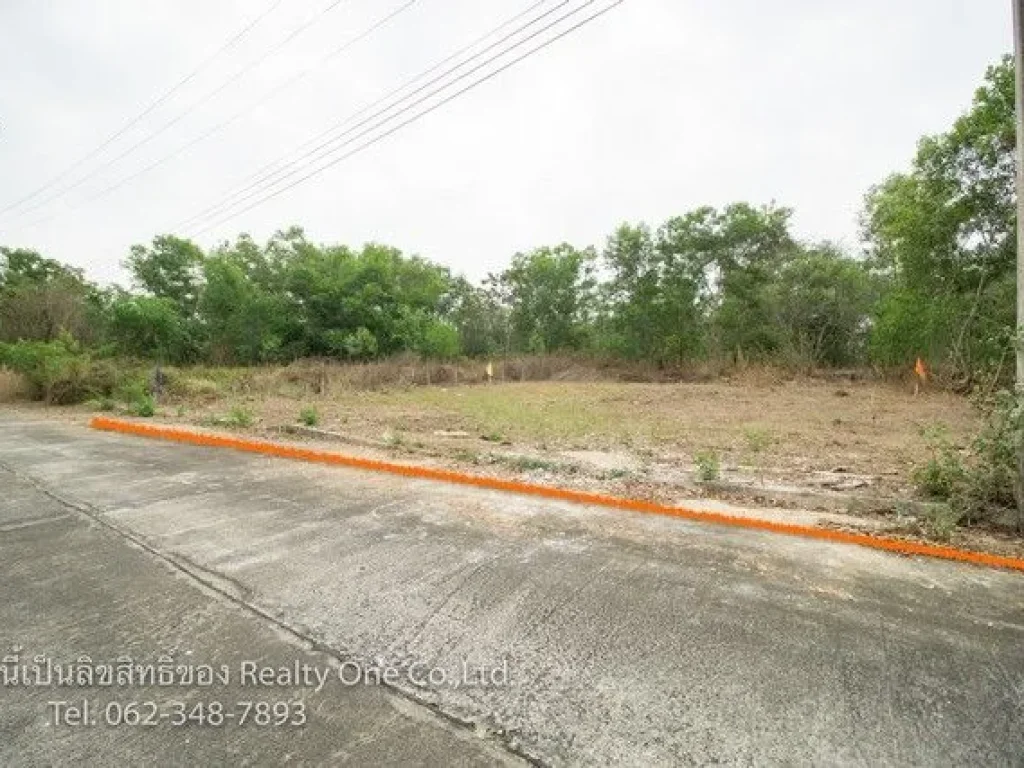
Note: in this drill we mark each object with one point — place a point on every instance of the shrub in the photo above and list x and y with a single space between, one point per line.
145 406
309 416
986 489
709 466
239 416
56 371
131 391
980 486
943 473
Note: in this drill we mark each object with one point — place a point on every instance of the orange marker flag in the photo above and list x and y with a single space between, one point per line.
921 370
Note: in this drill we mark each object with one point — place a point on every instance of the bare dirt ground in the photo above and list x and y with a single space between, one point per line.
843 449
795 432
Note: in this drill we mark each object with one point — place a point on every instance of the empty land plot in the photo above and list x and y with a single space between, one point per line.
782 430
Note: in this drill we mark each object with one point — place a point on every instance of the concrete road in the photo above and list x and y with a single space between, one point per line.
455 625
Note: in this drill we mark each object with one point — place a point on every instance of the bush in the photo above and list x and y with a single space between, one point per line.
102 404
145 406
309 416
979 487
944 474
239 416
132 391
939 477
709 466
57 371
987 487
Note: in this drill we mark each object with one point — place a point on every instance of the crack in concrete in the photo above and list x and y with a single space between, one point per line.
227 589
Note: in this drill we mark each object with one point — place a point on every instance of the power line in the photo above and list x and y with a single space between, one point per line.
421 114
231 42
238 75
262 174
317 152
246 110
267 172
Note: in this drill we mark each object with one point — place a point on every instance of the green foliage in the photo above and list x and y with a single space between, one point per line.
239 416
548 292
440 341
758 439
479 317
145 406
940 476
940 521
709 466
132 391
944 234
41 298
169 269
309 416
979 485
57 371
820 302
987 489
943 473
147 326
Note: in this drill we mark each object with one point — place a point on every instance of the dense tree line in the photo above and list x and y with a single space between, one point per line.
935 280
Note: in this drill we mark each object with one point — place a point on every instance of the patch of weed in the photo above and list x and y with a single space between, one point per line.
145 406
239 416
709 466
309 416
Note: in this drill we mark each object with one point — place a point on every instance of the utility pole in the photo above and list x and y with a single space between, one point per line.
1018 61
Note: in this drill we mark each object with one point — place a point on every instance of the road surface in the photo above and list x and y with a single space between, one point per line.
460 626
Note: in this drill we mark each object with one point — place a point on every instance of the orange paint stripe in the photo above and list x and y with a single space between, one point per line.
562 494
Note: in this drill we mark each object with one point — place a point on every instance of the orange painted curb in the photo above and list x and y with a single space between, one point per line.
562 494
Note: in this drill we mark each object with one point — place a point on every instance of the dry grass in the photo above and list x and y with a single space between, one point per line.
759 421
13 386
759 416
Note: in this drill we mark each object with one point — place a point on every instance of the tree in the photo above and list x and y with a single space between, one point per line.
150 327
549 293
170 269
246 320
822 303
440 341
945 234
747 247
479 317
695 285
390 296
40 298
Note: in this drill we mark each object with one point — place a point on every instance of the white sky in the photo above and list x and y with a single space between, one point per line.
655 108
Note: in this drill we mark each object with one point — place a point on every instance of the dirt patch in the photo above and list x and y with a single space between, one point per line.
844 447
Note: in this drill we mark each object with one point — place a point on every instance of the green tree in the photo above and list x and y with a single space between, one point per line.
822 303
479 317
440 341
150 327
40 298
945 234
747 247
246 320
550 297
171 269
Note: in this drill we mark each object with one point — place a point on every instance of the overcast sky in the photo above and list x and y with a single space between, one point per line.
655 108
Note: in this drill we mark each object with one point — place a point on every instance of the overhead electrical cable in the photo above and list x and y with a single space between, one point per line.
238 75
315 146
271 193
132 122
244 111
